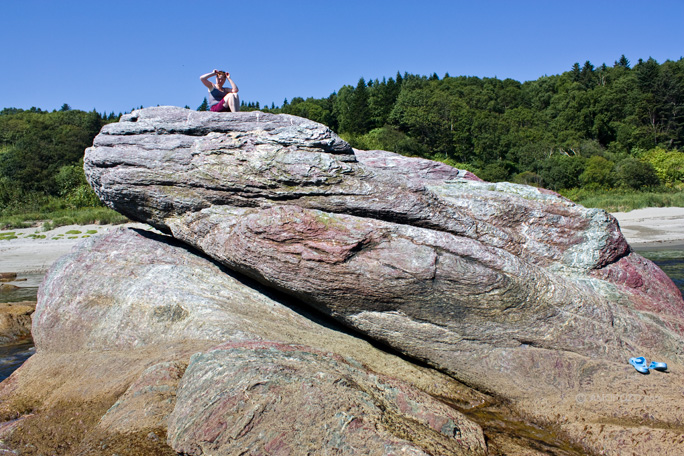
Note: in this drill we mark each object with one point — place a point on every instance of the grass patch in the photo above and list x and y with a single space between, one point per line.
83 216
623 200
91 232
8 235
74 232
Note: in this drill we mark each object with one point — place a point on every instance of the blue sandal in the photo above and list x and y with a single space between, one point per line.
658 366
639 364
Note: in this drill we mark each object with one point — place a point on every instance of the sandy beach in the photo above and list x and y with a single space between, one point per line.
31 251
653 228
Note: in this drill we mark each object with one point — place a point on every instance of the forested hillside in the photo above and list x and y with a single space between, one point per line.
596 128
41 158
591 129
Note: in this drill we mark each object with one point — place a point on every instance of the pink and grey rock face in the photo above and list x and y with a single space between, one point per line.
473 277
162 162
271 398
115 327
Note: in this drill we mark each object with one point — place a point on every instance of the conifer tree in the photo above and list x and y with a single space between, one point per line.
359 113
623 62
575 72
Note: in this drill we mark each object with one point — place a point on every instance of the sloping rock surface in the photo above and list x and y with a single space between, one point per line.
115 327
269 398
514 290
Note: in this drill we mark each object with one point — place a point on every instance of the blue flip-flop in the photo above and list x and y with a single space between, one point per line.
639 364
657 366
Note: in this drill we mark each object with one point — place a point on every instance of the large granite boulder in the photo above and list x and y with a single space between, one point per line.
271 398
116 327
511 289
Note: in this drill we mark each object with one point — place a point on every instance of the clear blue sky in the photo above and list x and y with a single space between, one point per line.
119 55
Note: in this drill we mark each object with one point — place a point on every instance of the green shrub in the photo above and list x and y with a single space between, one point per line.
494 172
389 139
528 178
598 173
561 171
635 174
668 165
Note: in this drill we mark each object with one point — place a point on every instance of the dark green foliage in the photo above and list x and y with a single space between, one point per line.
544 131
528 178
204 106
598 173
494 172
561 171
318 110
623 62
41 156
352 109
635 174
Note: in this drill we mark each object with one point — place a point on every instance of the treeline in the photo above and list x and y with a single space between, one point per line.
594 128
41 157
591 127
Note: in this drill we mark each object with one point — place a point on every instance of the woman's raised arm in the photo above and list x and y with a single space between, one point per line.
205 79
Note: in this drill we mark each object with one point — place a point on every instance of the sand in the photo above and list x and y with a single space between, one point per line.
31 251
653 228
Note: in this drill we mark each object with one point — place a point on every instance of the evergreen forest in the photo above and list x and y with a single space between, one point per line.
591 128
615 129
41 164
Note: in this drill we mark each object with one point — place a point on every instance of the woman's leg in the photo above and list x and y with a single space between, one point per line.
232 101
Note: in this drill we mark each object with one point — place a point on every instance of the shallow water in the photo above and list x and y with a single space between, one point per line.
13 356
670 261
27 288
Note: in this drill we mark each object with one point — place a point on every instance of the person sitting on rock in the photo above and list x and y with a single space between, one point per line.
221 99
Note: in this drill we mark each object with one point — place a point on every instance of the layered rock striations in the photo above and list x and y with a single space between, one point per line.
513 290
139 338
430 260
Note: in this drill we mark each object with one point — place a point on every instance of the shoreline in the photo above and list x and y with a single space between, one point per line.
653 228
656 246
30 251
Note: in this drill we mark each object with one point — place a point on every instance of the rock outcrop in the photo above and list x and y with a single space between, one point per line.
444 268
15 321
270 398
115 327
512 290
